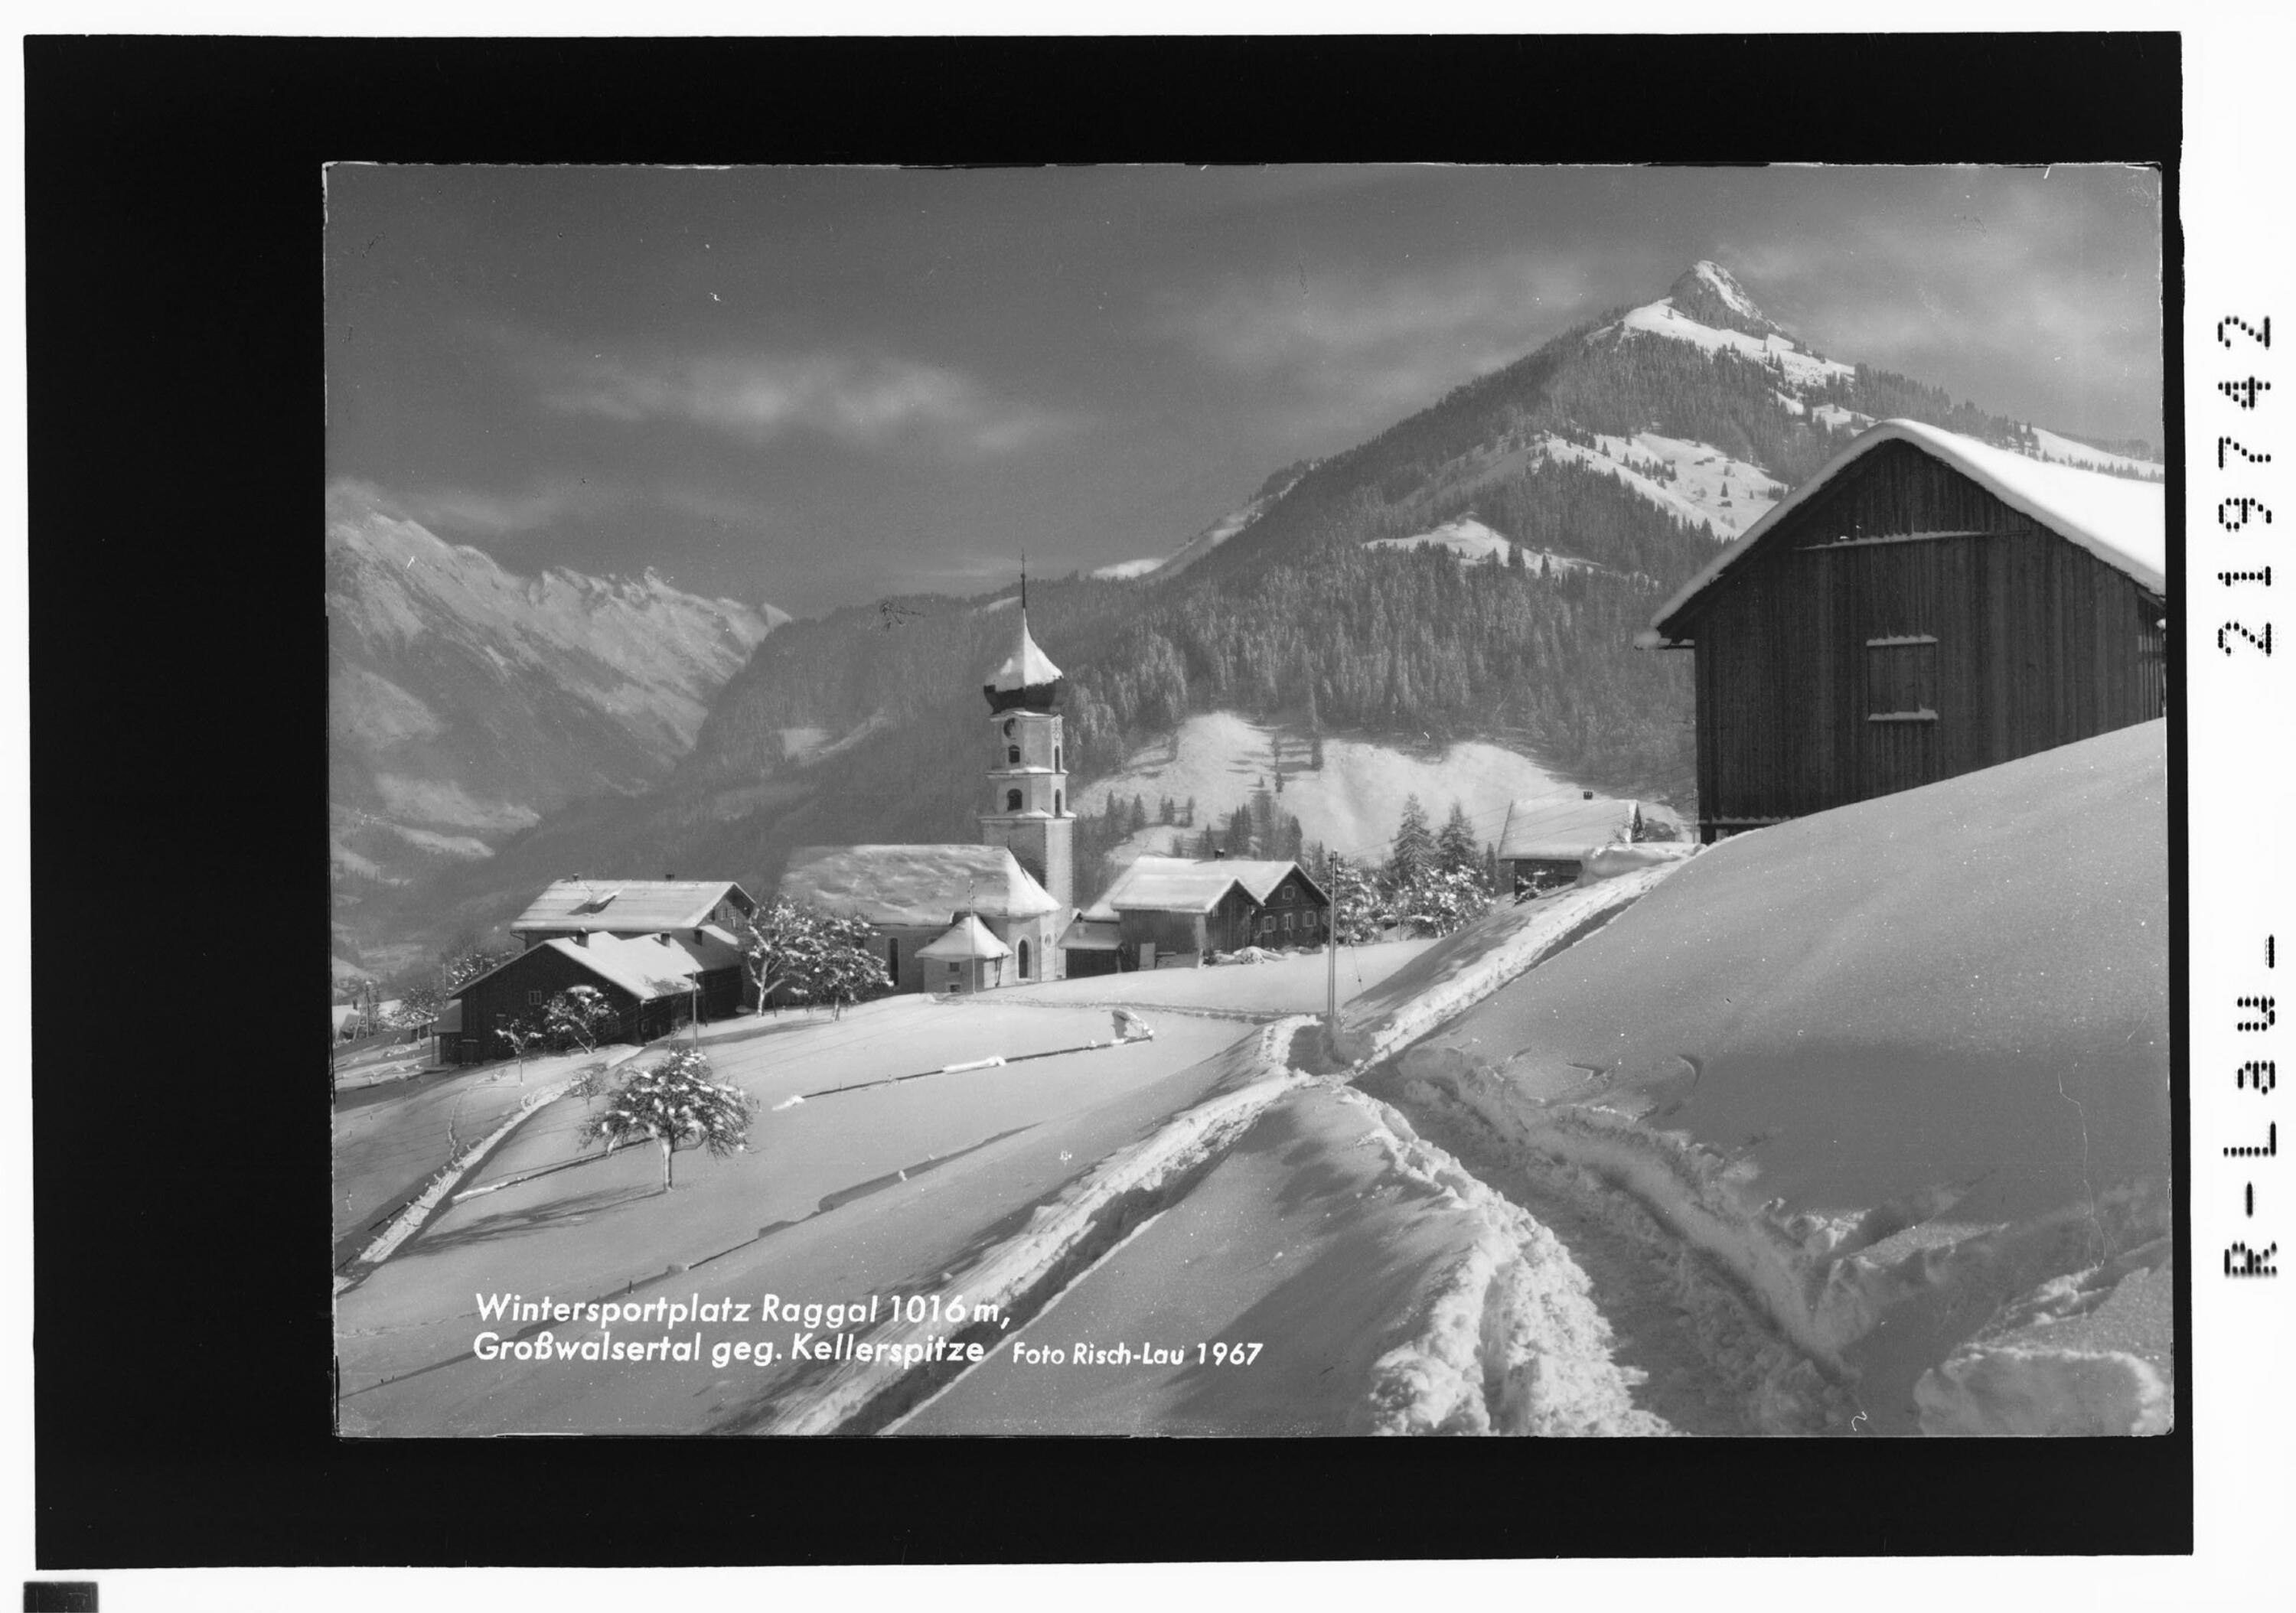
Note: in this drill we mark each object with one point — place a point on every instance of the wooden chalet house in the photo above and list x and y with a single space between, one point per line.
574 908
1925 606
654 985
1164 910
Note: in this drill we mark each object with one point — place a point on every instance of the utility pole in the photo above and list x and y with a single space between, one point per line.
1332 945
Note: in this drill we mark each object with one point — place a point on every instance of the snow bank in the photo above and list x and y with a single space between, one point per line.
1468 965
1021 1273
1609 862
1901 1068
1512 1342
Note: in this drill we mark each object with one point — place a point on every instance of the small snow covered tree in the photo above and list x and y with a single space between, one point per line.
814 956
1356 905
578 1018
845 968
674 1103
1442 899
523 1034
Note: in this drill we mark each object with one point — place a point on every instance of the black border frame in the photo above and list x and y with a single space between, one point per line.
176 437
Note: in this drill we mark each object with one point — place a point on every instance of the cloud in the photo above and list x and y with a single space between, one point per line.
863 403
1347 347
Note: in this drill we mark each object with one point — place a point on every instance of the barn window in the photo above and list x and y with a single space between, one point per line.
534 999
1901 678
1012 800
1268 924
955 967
1287 924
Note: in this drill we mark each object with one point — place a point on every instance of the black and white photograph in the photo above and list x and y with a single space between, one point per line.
1302 800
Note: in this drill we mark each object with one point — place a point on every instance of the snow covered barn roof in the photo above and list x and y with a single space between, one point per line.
1543 829
966 939
2122 522
627 906
915 886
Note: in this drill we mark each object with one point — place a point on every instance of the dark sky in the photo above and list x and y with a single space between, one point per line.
818 387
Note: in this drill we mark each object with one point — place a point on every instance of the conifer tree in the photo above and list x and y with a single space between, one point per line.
1412 850
1455 847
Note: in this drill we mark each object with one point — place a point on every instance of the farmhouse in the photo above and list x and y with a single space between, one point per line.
1174 910
577 907
1925 606
1546 838
650 983
913 896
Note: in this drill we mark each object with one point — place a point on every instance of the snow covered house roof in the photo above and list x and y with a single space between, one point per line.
1087 933
645 967
709 946
914 886
2123 522
967 938
627 906
1260 877
1166 885
1160 884
1543 829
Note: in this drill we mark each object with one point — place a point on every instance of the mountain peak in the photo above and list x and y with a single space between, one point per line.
1708 293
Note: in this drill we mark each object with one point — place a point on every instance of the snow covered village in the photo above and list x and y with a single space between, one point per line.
1623 890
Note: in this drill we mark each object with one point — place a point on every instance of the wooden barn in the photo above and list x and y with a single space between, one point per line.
1163 911
1547 839
650 983
1925 606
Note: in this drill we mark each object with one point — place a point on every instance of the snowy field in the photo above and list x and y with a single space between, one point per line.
1857 1125
1901 1069
1352 804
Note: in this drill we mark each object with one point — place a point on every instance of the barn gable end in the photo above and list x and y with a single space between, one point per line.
1901 623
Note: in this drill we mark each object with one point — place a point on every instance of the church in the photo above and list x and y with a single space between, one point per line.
967 918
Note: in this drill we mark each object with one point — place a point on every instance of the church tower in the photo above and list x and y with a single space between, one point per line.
1027 769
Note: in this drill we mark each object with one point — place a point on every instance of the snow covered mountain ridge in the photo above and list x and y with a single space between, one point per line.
466 700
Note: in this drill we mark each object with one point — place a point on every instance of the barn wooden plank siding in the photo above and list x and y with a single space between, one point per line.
1901 625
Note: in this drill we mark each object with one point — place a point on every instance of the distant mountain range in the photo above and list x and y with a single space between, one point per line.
1474 573
465 702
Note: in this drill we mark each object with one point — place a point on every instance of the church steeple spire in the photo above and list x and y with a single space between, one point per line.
1028 678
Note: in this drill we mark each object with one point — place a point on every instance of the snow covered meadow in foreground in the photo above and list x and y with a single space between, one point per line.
1855 1125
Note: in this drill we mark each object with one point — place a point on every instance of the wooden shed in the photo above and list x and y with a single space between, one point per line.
1925 606
1546 838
